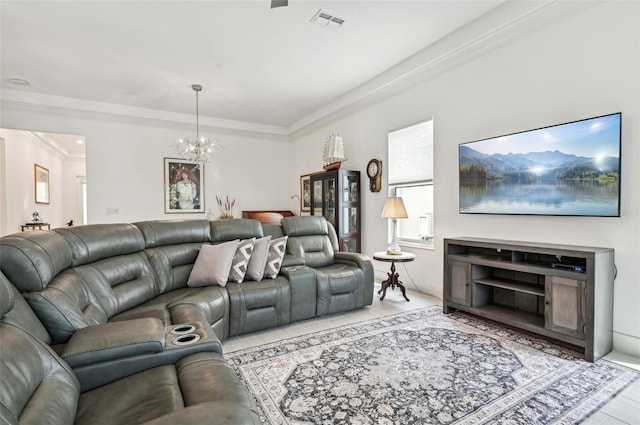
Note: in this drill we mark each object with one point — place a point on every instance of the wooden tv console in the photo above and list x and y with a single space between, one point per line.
561 292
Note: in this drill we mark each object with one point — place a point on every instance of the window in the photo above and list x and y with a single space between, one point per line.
411 177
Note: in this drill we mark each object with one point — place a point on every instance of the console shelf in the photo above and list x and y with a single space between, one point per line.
510 316
513 285
562 292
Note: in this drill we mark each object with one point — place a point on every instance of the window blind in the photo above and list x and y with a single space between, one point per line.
411 154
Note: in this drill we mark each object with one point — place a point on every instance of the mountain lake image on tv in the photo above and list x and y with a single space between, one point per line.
570 169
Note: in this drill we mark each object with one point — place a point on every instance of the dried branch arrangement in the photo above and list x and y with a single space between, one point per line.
226 207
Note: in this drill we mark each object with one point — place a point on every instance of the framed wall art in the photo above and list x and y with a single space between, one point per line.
41 184
183 186
305 193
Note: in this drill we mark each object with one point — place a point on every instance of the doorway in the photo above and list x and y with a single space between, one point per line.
64 157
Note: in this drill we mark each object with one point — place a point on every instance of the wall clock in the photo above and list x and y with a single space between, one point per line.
374 171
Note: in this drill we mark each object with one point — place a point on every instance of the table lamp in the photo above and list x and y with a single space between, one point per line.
394 209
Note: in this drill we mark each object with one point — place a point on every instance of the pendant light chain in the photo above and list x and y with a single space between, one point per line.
197 114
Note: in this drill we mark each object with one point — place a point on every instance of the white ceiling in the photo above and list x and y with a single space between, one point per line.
257 65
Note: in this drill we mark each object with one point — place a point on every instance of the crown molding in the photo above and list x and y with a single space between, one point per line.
48 143
46 101
511 20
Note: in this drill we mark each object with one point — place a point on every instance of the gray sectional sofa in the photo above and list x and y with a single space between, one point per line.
114 334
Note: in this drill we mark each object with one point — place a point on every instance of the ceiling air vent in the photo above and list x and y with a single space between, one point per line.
325 20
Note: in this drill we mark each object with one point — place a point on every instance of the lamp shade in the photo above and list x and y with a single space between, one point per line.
394 208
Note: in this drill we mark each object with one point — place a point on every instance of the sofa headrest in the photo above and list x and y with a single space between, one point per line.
7 299
305 225
32 259
97 241
235 228
15 310
273 230
174 232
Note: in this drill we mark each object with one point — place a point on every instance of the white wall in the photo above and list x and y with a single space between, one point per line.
21 153
584 65
125 168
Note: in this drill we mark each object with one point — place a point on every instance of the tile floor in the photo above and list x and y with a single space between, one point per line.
623 409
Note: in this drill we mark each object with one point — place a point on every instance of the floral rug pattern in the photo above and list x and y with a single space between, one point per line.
424 367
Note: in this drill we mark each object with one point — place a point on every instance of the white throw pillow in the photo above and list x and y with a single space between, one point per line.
240 262
213 264
258 261
277 249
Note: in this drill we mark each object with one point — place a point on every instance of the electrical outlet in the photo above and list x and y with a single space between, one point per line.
112 211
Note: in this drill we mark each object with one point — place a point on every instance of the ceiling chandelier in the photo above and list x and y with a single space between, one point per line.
200 148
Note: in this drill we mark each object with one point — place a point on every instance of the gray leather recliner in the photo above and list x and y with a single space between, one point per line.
38 387
340 276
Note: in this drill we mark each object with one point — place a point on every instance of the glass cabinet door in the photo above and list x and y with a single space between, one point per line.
330 201
350 245
349 219
317 197
350 189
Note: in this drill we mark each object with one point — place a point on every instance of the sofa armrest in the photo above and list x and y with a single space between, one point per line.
364 263
302 284
114 340
358 259
107 362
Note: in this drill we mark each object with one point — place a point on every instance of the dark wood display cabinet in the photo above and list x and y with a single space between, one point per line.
335 195
563 292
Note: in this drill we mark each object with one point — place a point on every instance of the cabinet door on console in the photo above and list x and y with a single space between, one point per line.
459 282
564 306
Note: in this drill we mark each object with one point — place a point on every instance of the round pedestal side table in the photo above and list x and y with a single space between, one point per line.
393 281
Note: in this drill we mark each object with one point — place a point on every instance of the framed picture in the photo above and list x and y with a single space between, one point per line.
183 186
305 193
41 184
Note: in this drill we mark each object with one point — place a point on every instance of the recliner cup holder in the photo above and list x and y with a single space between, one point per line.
182 329
185 339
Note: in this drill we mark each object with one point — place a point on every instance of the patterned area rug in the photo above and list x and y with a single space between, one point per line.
424 367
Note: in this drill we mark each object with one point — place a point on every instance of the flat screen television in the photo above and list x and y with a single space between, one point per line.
570 169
